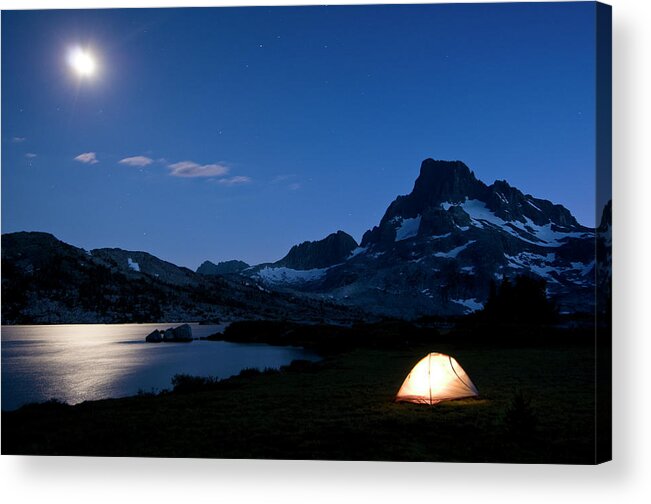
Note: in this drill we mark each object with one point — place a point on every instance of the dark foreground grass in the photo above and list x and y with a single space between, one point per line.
343 410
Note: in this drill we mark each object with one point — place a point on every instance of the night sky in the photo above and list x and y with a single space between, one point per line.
236 133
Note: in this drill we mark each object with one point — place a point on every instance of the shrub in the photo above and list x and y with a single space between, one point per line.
520 417
248 372
147 393
300 366
184 383
53 404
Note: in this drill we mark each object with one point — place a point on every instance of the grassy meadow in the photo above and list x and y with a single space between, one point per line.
536 406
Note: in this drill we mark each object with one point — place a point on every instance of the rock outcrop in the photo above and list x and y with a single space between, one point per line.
333 249
180 334
222 268
154 337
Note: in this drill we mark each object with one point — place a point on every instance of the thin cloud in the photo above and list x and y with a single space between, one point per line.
87 157
138 161
282 178
18 139
30 155
192 169
286 179
237 180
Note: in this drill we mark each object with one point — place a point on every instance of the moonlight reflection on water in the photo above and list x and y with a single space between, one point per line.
76 363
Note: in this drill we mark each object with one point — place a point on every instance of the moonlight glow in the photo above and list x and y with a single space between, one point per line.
82 62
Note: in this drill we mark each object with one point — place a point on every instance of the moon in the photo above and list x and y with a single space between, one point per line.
82 62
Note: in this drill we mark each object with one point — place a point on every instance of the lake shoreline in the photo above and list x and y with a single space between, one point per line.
76 363
340 408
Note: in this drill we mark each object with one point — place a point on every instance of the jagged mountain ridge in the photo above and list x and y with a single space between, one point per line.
308 255
222 268
443 186
437 249
303 262
47 281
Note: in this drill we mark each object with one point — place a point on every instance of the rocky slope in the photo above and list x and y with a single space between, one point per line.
47 281
333 249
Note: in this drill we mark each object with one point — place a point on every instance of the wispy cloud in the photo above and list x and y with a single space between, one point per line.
136 161
18 139
192 169
87 157
286 179
30 155
237 180
282 178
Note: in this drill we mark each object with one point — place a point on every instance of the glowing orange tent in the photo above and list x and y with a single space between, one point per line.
436 377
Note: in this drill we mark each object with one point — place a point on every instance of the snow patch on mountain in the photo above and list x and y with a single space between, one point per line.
500 196
451 254
541 265
543 236
133 265
357 251
408 228
470 305
288 275
531 203
583 268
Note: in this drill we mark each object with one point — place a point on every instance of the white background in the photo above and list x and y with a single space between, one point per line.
627 478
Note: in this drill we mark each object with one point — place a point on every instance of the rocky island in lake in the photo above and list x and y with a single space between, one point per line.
180 334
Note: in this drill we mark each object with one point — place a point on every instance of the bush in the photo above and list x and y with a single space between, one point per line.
300 366
520 418
147 393
248 372
184 383
52 405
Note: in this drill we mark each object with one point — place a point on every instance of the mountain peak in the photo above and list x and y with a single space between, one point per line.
333 249
435 206
440 181
441 169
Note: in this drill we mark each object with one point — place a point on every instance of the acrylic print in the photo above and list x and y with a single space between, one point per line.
327 233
